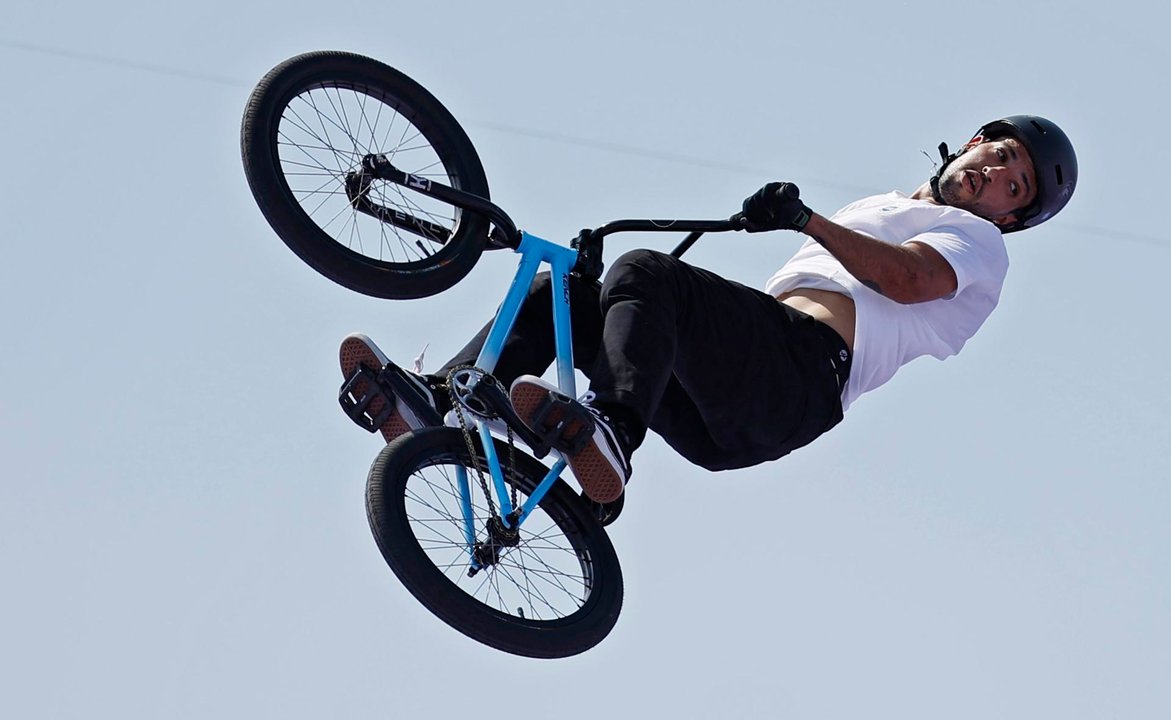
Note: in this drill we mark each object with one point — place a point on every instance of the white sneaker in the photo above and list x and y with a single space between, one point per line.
602 464
496 426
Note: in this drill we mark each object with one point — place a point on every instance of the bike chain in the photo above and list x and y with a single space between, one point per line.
467 433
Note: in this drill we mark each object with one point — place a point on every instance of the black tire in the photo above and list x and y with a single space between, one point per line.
308 124
564 556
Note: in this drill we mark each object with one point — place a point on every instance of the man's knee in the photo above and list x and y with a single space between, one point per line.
644 260
640 272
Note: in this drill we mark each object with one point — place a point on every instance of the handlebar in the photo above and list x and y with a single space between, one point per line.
788 191
505 232
588 243
700 226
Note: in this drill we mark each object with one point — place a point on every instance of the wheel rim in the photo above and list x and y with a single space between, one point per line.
547 577
322 135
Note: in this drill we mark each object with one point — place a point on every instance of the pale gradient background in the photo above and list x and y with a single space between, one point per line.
182 533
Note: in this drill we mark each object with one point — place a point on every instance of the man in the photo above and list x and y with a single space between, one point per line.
732 377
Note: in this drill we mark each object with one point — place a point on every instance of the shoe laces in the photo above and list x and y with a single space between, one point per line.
587 399
616 429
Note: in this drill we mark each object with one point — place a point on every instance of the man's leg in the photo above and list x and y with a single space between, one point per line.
529 347
729 376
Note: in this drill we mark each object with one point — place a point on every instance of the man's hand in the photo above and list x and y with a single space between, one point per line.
776 206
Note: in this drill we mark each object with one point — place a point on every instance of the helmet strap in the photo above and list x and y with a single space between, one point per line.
946 158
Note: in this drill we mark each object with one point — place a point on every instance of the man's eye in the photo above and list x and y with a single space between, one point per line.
1000 154
1013 188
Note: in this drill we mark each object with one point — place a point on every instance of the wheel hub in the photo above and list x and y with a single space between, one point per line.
500 537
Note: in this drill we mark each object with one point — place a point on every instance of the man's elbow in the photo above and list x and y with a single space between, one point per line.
915 287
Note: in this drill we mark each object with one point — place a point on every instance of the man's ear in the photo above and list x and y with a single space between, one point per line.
1003 220
972 143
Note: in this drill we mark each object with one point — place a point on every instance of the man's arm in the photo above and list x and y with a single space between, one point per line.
910 273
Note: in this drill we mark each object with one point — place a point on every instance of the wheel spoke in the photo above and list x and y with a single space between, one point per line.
330 128
541 579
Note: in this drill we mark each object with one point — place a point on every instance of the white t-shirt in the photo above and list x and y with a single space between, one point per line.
888 334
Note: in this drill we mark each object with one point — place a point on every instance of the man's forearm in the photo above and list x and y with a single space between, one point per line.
905 274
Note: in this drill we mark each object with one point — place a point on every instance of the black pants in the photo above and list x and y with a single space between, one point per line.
727 375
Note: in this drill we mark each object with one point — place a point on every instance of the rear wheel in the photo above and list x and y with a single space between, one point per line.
307 127
555 591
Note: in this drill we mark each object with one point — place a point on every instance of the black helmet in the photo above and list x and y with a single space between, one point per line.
1053 160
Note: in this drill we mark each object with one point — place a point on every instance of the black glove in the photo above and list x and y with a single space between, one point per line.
776 206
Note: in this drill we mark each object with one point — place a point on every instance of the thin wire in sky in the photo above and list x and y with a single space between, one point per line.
531 133
123 63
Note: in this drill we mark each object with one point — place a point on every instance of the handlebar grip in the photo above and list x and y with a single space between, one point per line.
788 191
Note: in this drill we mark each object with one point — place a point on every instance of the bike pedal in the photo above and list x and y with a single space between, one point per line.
563 424
358 393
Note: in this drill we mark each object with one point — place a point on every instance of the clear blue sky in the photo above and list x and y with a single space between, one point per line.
182 531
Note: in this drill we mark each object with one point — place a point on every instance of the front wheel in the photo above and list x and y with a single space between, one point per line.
308 126
556 591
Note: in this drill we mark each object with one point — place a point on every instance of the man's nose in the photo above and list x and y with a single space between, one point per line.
993 172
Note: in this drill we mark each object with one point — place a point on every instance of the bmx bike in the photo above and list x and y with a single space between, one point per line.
374 184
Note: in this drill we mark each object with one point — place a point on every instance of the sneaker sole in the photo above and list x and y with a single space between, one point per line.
592 470
354 352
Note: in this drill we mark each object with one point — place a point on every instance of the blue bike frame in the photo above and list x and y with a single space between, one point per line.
534 251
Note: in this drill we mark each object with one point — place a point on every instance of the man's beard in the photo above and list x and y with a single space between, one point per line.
950 189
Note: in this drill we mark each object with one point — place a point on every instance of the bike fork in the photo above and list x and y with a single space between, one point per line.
511 518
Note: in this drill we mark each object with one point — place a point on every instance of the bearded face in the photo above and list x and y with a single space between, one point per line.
990 178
